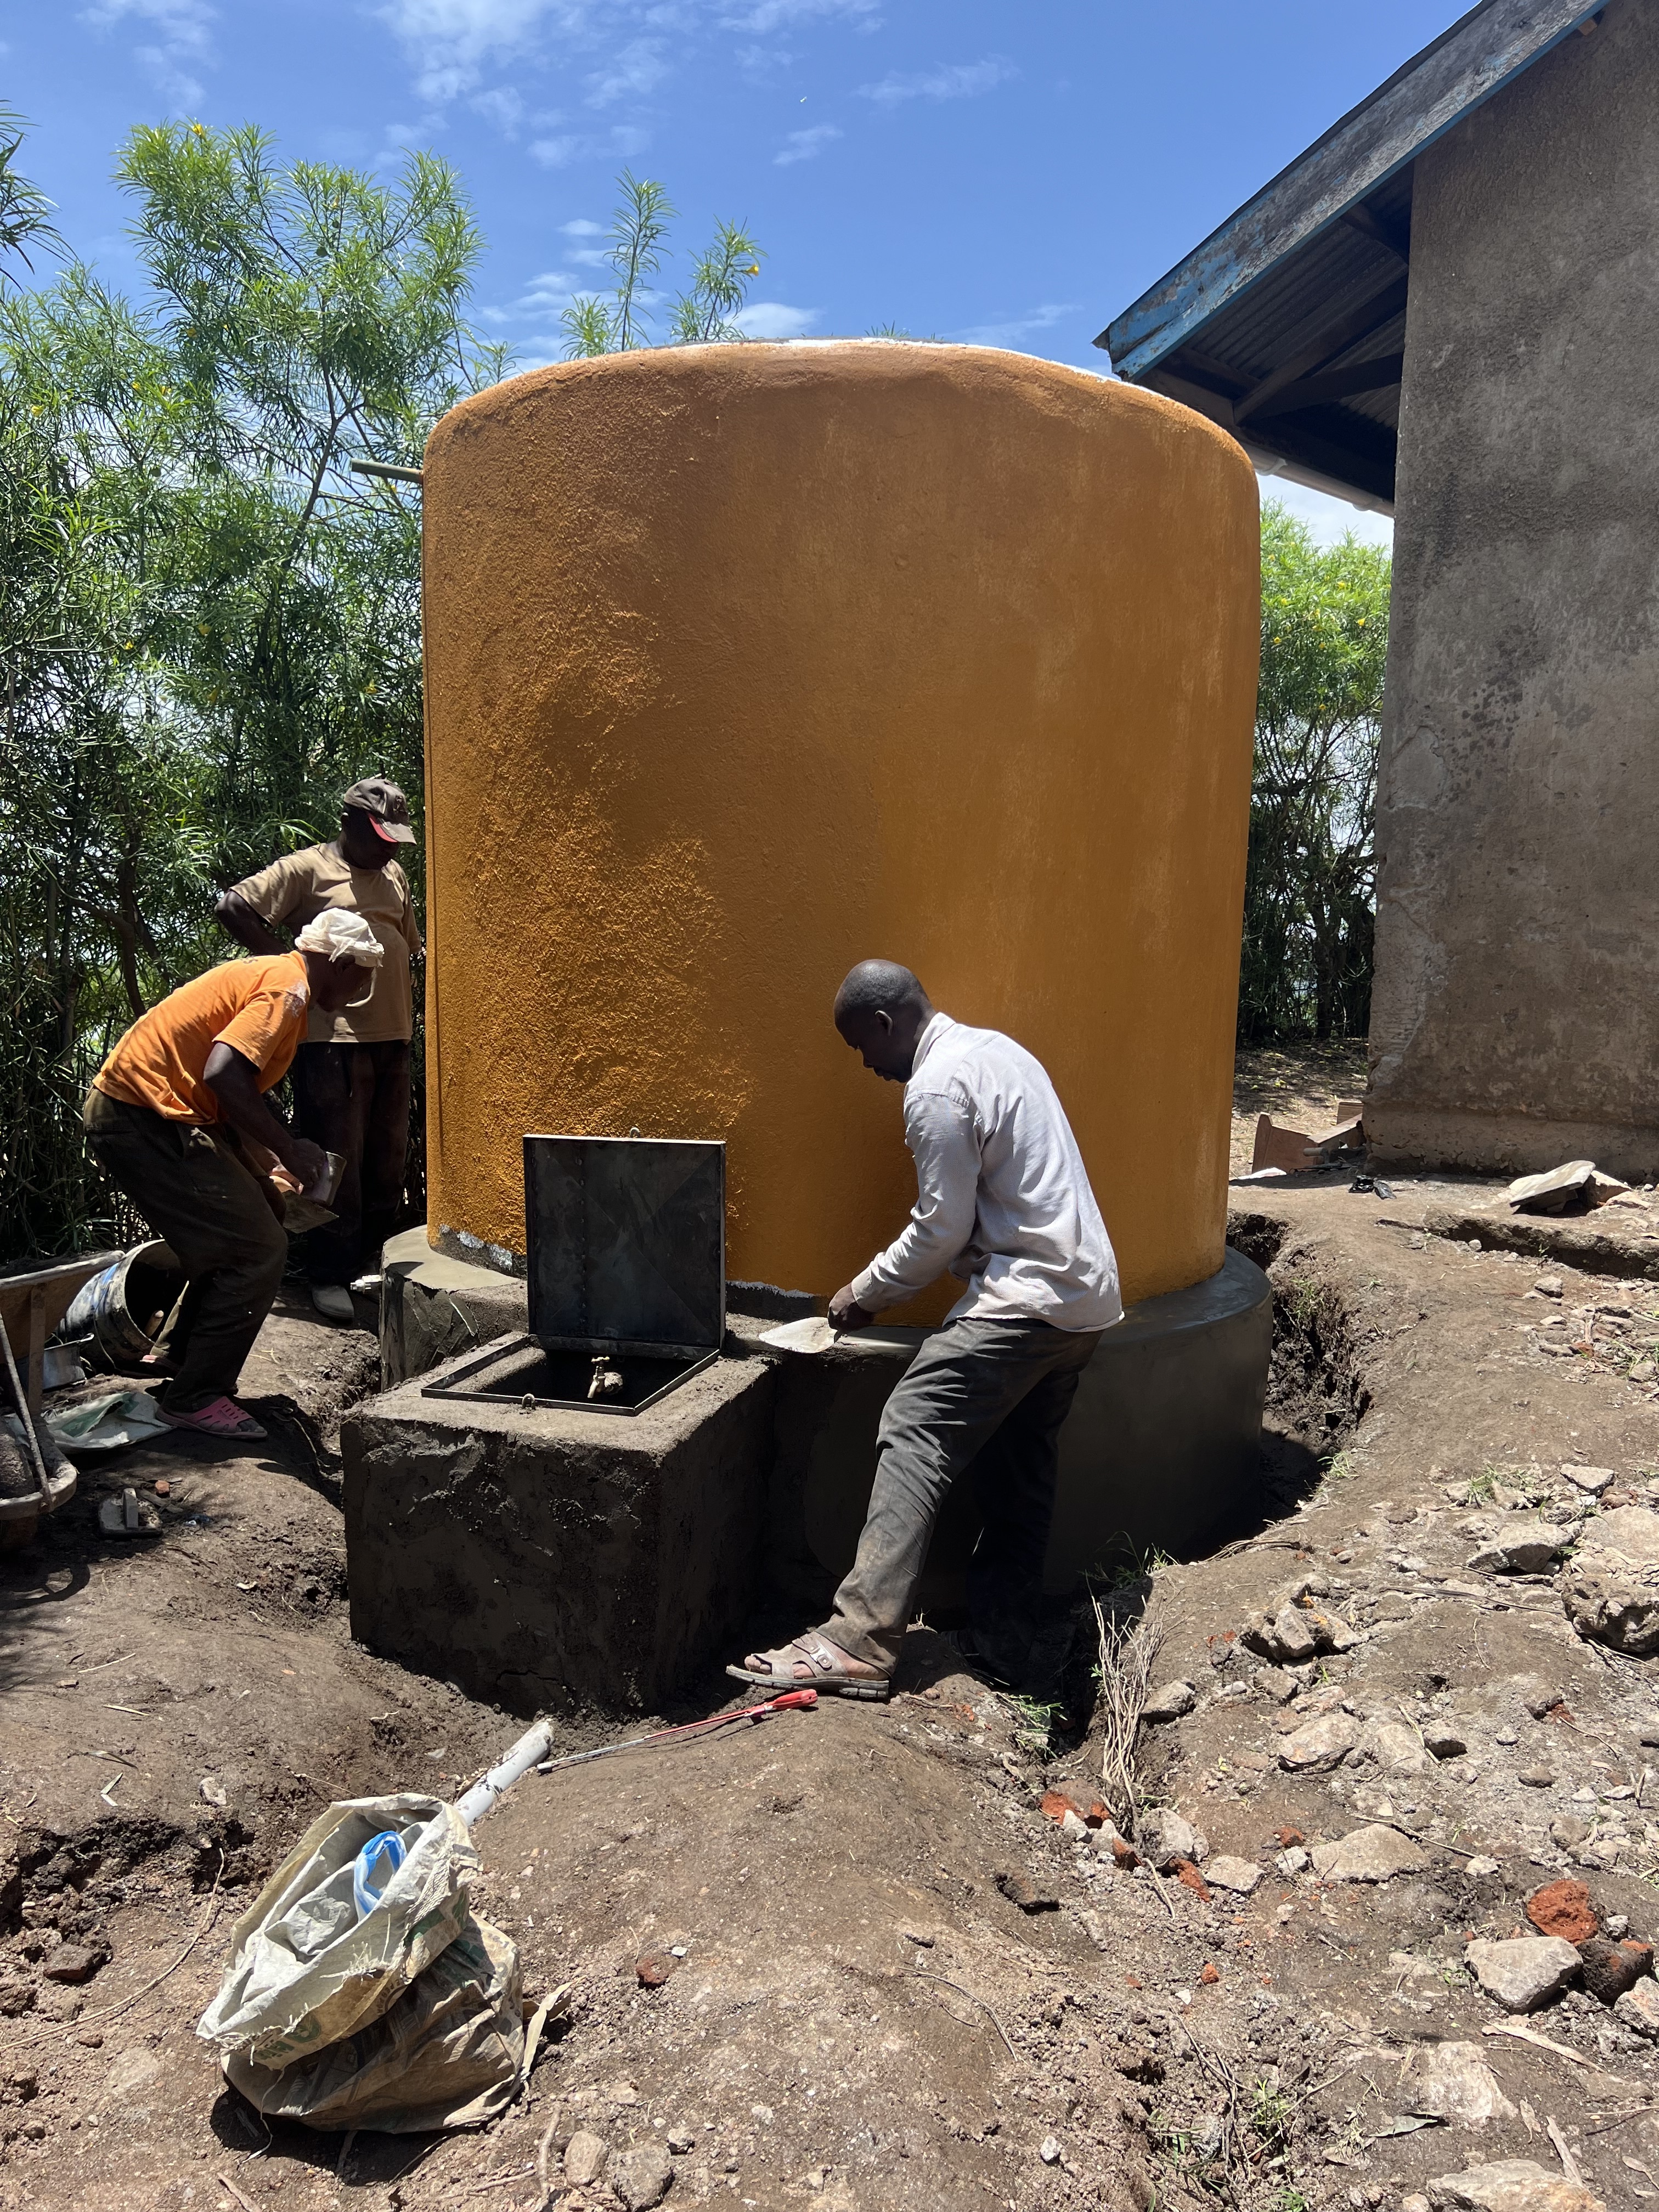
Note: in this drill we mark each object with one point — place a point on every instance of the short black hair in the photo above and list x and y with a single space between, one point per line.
878 984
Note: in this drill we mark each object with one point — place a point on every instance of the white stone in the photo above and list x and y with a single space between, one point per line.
641 2177
1048 2150
1240 1875
1452 2081
1393 1746
1170 1702
1638 2007
1632 1529
1321 1745
1523 1545
1371 1853
585 2156
1523 1971
1073 1824
1165 1838
1594 1480
1510 2185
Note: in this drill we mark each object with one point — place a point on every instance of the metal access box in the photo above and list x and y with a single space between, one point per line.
626 1252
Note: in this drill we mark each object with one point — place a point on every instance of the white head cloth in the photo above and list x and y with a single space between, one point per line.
340 934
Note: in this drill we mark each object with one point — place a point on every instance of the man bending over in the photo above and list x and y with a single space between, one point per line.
1003 1203
177 1118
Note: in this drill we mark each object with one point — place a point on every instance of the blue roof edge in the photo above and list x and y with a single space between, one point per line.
1485 50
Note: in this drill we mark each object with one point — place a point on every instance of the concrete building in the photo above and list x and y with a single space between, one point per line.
1449 308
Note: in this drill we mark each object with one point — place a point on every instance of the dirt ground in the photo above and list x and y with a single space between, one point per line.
1297 1084
856 2014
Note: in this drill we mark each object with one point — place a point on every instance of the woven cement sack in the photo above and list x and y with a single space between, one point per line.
448 2054
307 1967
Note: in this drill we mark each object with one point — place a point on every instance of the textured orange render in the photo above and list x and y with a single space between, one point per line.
747 662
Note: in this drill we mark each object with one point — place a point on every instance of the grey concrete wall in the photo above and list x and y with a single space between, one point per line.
1515 1017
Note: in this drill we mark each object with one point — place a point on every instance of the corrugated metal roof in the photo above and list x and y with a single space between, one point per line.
1307 280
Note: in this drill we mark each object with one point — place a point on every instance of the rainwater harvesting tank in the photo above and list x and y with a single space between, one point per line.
747 662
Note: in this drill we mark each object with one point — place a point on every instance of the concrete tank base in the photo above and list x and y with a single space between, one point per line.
1161 1452
547 1559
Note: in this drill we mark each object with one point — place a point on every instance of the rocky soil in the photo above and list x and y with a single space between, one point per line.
1375 1934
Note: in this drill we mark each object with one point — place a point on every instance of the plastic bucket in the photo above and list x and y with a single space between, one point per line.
116 1309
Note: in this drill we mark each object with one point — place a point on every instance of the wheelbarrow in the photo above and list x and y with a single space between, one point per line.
34 1295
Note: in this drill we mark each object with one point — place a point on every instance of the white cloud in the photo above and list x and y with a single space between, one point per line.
952 81
452 43
623 142
503 106
181 45
806 145
632 71
765 15
581 228
1035 319
770 319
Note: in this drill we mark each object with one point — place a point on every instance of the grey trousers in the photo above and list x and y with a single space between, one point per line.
989 1396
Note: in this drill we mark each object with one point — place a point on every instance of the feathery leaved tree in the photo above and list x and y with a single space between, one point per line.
208 625
705 315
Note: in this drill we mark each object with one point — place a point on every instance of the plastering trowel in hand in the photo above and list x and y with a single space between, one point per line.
309 1208
814 1334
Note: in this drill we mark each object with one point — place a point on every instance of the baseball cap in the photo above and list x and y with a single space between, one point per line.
386 806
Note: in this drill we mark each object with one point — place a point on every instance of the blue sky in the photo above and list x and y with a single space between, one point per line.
1010 174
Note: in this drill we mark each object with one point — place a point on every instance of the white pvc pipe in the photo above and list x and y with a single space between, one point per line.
524 1754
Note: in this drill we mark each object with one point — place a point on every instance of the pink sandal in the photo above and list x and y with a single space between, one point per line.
220 1417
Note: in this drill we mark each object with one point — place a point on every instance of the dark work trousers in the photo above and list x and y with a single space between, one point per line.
192 1187
989 1396
353 1099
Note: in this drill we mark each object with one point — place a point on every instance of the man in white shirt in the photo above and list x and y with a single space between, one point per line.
1003 1203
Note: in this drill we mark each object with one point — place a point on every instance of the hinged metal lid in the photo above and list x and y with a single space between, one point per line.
626 1243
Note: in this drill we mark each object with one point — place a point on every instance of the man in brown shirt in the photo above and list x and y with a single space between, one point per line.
351 1076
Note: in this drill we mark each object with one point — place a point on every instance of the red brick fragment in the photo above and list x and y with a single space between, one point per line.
654 1968
1563 1908
1125 1855
1057 1803
1186 1872
1290 1838
1209 1976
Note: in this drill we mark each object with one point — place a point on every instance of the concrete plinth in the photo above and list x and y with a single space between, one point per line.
548 1560
1161 1450
433 1306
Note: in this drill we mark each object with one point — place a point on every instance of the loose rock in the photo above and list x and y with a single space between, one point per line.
1611 1591
1525 1545
1030 1897
641 2177
1452 2081
1170 1702
73 1962
1441 1742
1321 1746
1165 1838
1373 1854
1610 1969
1510 2185
1638 2007
1536 1778
1239 1875
1393 1746
1523 1972
585 2156
1286 1635
1594 1480
654 1968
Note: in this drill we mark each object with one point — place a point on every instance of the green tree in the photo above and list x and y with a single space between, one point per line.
208 625
720 280
1310 900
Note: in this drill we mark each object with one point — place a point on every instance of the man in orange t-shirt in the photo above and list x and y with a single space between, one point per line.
177 1118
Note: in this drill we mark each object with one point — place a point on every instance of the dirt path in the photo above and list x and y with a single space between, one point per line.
856 2014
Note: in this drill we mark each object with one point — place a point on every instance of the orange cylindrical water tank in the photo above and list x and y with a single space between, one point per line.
747 662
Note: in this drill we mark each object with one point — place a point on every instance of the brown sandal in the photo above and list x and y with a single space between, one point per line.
828 1674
